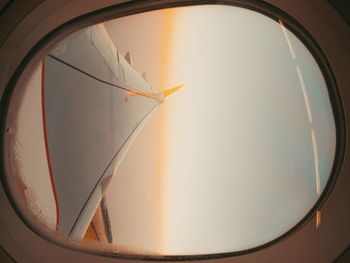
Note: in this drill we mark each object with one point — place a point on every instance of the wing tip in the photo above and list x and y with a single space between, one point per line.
171 91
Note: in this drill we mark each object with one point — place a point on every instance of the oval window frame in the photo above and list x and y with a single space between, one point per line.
42 47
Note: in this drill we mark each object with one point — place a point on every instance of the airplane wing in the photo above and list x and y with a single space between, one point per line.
94 104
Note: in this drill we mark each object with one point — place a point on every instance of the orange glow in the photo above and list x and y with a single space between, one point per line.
167 35
318 219
97 230
90 233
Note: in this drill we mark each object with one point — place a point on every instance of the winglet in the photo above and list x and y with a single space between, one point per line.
168 92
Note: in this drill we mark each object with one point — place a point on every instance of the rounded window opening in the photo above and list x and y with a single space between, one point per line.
183 131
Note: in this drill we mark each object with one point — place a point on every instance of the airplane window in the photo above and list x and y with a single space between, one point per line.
183 131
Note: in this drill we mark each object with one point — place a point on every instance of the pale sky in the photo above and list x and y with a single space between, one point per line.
238 156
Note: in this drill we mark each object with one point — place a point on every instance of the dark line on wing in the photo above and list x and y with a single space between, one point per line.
98 79
109 164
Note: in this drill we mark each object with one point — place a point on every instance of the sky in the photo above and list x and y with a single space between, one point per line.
237 157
